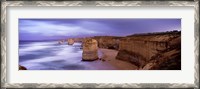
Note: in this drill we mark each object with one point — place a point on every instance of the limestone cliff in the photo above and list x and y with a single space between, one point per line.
169 58
78 39
141 50
108 42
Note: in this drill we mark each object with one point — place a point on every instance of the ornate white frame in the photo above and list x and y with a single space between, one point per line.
6 4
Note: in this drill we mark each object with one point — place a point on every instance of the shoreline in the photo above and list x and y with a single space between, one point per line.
108 55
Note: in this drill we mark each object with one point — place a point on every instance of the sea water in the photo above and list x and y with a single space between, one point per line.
49 55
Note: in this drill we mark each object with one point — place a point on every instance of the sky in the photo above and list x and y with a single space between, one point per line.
52 29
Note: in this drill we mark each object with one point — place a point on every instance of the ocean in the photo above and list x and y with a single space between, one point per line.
49 55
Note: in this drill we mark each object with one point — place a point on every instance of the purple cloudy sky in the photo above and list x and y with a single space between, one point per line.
48 29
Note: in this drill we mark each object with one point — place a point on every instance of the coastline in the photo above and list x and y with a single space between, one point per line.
109 56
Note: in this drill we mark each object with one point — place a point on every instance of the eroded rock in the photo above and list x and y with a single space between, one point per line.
22 67
152 51
90 50
70 41
108 42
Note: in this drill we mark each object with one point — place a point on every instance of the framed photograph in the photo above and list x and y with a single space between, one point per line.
100 44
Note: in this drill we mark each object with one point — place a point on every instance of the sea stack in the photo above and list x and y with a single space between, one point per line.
70 41
90 50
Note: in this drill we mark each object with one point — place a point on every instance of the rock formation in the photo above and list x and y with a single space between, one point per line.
157 51
70 41
22 67
78 39
168 59
108 42
151 51
90 50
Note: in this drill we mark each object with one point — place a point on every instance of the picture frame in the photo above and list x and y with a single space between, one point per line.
4 39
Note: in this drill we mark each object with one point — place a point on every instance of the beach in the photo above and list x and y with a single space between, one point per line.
109 56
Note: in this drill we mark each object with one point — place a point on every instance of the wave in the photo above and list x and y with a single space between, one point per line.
51 56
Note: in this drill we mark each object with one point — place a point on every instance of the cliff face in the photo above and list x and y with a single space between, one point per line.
151 51
169 58
78 39
108 42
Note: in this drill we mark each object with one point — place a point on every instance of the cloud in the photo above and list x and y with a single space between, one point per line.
50 29
63 28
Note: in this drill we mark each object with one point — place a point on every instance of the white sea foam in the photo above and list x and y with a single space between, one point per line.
63 55
30 49
56 57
